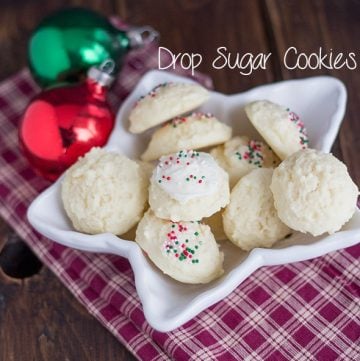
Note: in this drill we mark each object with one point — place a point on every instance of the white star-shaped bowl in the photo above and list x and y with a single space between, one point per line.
168 304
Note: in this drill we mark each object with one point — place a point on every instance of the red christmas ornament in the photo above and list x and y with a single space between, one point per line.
63 123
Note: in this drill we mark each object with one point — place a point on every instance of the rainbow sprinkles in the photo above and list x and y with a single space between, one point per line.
293 117
182 242
175 122
252 153
152 93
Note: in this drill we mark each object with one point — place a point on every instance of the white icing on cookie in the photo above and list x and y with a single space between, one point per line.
187 174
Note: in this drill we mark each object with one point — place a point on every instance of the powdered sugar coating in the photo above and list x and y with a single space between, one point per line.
95 189
313 192
186 251
251 220
280 127
194 131
165 102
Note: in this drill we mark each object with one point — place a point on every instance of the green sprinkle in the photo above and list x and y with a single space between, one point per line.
196 233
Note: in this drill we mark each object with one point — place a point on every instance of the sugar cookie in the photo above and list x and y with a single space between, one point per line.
281 128
186 251
197 130
250 220
188 186
240 155
313 192
165 101
96 188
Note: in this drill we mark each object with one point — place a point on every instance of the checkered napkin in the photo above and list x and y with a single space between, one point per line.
306 310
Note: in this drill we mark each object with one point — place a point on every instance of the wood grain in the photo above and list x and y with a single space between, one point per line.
202 27
39 318
332 25
193 27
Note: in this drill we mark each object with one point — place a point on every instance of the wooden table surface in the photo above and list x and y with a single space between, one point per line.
39 318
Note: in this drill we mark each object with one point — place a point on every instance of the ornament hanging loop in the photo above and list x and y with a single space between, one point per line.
107 66
142 36
103 74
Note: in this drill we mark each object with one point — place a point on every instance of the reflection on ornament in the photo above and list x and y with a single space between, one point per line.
63 123
70 41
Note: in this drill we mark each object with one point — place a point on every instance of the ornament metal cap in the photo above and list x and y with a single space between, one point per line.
141 36
103 74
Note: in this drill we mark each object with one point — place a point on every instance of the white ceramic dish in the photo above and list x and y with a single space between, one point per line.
167 304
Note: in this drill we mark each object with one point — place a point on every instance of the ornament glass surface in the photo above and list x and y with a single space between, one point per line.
68 42
63 123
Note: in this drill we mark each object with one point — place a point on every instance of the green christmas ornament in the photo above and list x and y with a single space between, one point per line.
68 42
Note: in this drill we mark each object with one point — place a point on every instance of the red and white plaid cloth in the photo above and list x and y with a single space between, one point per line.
302 311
